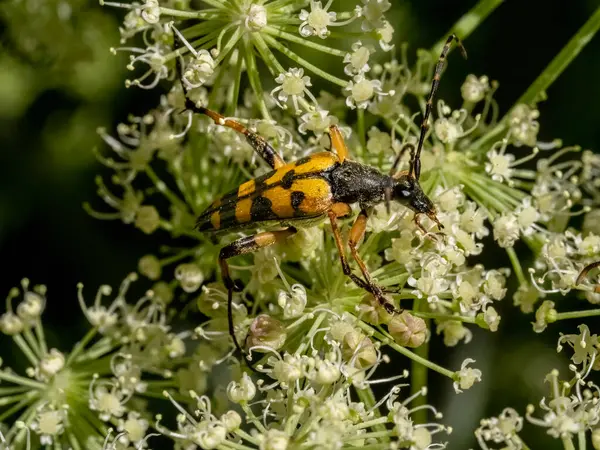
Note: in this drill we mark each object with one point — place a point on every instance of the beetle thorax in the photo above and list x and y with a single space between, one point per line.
353 182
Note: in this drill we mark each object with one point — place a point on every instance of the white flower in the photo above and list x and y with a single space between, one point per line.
50 365
372 12
506 230
527 216
151 11
379 141
134 426
317 20
189 276
294 84
317 121
491 318
467 376
108 403
256 17
503 429
357 61
362 90
499 165
274 440
429 286
242 391
474 89
199 69
454 331
523 126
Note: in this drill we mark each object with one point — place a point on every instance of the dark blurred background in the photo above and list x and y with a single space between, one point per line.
58 82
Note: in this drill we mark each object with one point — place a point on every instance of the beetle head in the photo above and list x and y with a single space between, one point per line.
407 191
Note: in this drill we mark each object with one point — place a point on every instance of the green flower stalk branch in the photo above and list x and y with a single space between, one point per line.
164 368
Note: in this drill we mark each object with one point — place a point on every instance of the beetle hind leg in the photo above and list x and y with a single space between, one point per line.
244 246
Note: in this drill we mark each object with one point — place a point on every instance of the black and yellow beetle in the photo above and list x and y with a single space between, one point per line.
319 186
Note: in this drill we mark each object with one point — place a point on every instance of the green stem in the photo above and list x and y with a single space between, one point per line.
562 60
581 440
25 349
411 355
568 444
362 133
235 90
81 345
290 54
418 375
578 314
205 14
303 41
368 398
468 22
514 259
429 315
254 78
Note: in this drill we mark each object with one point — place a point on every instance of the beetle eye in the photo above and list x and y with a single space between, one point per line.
405 193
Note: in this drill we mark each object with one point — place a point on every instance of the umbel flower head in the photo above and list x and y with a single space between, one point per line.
315 339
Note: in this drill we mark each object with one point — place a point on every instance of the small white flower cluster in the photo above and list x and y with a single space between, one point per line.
309 404
561 260
572 409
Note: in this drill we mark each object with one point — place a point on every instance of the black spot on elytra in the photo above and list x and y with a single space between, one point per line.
297 197
287 180
261 209
303 160
228 218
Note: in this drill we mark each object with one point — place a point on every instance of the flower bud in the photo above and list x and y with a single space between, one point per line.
358 347
292 304
474 89
162 293
244 391
151 12
147 219
256 19
326 372
372 312
231 420
544 315
31 308
150 267
189 276
274 440
408 330
209 435
266 331
287 370
596 438
11 324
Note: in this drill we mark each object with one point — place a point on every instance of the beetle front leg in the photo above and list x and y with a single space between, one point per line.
243 246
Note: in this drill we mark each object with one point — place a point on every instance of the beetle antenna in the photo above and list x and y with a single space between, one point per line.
416 163
405 148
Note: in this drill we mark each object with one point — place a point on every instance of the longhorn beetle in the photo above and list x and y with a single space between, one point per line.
319 186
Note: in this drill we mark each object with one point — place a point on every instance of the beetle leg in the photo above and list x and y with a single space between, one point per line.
337 142
258 143
243 246
367 285
584 273
356 234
